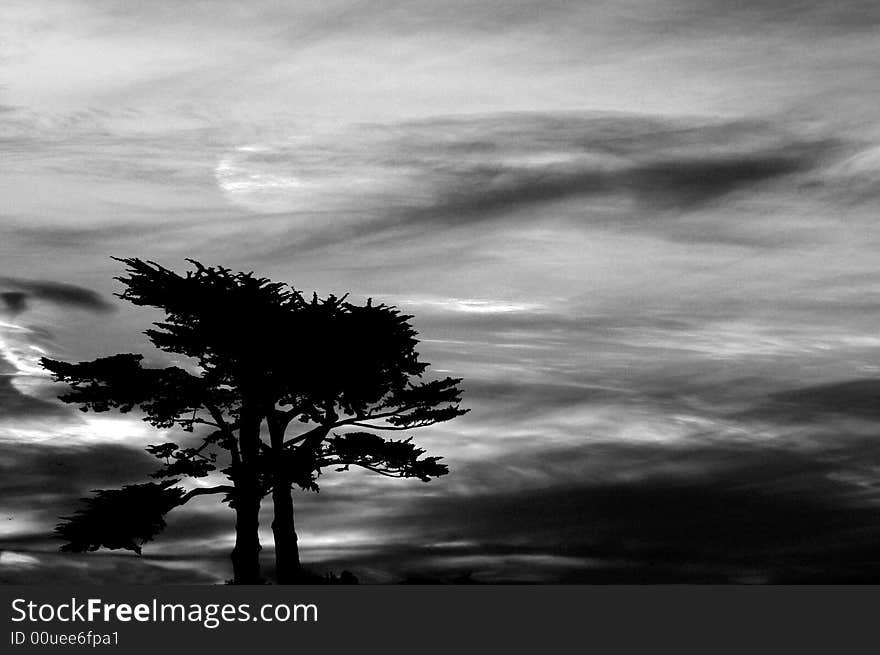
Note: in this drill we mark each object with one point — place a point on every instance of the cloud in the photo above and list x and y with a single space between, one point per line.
711 513
547 499
15 301
691 184
851 16
16 405
22 378
50 478
853 399
57 293
109 568
657 174
662 163
42 482
637 513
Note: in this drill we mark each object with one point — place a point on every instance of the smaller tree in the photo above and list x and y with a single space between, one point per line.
169 397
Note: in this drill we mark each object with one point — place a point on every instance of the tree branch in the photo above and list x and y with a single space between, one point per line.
203 491
388 427
217 415
227 429
374 469
369 416
314 436
201 421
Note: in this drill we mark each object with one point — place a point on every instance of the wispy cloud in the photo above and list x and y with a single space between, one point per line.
592 171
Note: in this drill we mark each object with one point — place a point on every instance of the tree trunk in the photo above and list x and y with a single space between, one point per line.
246 554
287 565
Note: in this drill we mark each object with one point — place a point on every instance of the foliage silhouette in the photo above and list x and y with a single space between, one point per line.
256 351
137 512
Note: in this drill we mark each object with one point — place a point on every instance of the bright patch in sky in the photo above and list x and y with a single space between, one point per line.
17 351
10 558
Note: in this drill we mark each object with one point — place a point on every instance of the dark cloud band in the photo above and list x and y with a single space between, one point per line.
18 291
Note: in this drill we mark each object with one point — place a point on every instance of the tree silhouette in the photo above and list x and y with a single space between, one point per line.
257 351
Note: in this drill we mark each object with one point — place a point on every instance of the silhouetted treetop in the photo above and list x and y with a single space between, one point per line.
230 323
317 356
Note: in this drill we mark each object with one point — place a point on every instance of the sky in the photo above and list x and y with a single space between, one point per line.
643 231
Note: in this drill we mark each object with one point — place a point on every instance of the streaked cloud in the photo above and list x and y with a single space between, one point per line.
453 172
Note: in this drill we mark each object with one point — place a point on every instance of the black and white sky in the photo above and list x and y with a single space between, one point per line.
644 231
